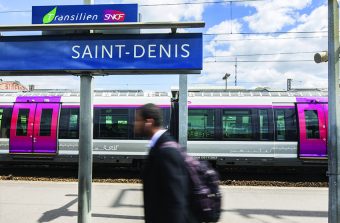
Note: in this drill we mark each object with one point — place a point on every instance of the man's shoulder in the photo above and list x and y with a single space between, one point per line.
166 145
166 137
169 147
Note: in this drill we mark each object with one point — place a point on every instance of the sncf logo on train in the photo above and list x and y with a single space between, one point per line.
85 14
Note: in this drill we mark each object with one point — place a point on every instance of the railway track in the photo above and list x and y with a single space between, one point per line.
276 177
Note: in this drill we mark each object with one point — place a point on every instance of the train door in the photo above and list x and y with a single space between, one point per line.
45 128
21 133
34 128
313 130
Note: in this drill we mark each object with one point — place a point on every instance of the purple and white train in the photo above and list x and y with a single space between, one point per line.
281 129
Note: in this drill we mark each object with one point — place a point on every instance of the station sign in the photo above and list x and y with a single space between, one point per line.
106 13
144 52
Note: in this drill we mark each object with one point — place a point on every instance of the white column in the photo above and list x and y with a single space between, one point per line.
183 110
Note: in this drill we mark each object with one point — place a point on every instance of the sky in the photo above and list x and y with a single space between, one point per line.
271 40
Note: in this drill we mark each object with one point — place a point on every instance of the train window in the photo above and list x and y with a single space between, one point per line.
312 124
285 125
5 122
22 122
280 125
166 121
69 123
264 125
237 125
111 123
291 126
201 124
45 122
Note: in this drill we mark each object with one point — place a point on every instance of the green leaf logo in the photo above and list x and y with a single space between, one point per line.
48 18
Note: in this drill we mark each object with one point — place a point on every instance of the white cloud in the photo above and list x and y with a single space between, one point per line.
218 41
317 20
159 11
169 12
273 74
275 14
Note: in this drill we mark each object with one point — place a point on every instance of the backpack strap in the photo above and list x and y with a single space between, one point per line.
171 144
190 162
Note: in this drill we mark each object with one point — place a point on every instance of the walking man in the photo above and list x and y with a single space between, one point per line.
166 183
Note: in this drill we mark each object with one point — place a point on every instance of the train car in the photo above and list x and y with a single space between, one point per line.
258 128
44 127
226 128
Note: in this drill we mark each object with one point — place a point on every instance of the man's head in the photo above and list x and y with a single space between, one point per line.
148 120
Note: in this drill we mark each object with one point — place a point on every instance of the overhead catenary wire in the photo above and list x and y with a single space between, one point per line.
266 33
240 82
265 54
258 61
268 38
202 2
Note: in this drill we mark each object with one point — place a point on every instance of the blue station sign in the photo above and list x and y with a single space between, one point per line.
109 13
146 52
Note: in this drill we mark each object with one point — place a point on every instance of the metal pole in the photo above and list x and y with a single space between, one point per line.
333 112
85 149
183 110
85 146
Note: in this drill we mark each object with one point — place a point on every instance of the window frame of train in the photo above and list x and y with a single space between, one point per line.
68 129
113 118
262 135
290 124
191 130
237 112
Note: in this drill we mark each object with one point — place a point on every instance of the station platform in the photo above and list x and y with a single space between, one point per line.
56 202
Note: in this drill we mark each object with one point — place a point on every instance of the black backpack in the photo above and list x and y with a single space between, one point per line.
206 196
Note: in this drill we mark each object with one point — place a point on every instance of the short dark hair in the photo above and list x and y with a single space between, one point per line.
151 111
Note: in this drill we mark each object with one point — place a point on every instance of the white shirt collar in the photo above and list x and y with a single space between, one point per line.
155 137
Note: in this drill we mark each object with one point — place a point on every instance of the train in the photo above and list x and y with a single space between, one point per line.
226 128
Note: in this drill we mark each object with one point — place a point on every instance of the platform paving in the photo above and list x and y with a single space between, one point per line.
54 202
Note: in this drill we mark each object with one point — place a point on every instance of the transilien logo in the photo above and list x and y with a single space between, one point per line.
48 18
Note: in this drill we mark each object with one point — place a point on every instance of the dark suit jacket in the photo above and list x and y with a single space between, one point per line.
166 186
